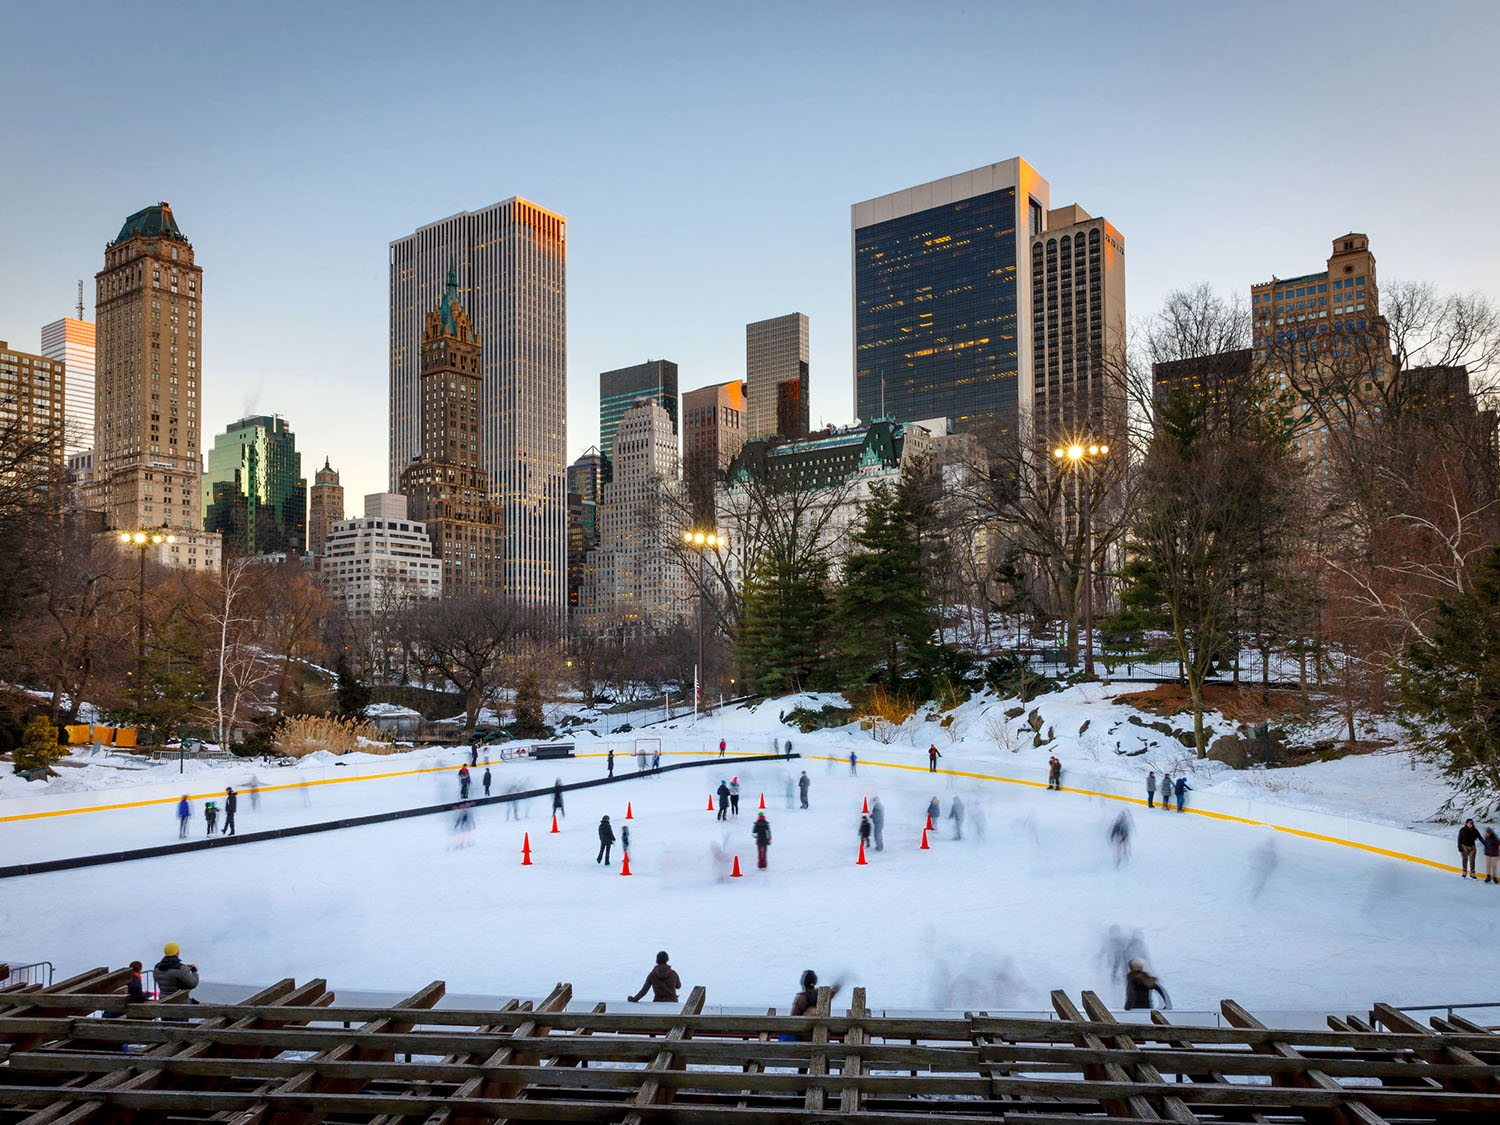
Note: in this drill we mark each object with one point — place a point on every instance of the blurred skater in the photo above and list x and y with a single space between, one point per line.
1139 985
487 780
463 783
512 811
662 980
734 796
877 823
1151 790
865 830
184 814
762 833
656 762
625 840
463 827
956 815
723 792
1491 845
1468 838
803 785
231 802
932 757
1119 951
853 764
791 791
1182 791
210 815
1119 836
557 801
789 748
606 839
934 810
254 792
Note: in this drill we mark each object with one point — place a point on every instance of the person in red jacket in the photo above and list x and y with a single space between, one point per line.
662 980
932 757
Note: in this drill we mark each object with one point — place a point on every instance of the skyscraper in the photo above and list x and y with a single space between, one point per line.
446 486
942 297
325 507
776 377
713 430
254 494
586 477
652 381
511 260
72 341
33 390
148 388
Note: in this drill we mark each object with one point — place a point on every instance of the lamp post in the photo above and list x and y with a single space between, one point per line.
701 541
1081 456
141 540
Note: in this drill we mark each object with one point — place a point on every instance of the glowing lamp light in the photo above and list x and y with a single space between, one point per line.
1075 452
124 537
140 536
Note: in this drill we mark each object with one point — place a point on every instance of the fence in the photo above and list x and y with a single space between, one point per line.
38 972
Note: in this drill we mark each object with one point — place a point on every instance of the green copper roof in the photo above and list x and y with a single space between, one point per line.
450 298
151 222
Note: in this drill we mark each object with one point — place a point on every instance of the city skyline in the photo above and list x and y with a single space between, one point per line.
678 265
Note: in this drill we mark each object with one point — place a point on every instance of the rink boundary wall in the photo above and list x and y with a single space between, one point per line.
1331 828
39 867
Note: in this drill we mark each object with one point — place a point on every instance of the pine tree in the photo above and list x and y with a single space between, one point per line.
175 684
39 748
1450 687
885 620
353 694
783 637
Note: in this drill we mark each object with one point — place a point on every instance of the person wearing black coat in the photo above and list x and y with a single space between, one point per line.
557 802
606 840
723 792
864 830
761 830
1181 790
803 784
610 763
1139 985
487 780
231 801
1468 838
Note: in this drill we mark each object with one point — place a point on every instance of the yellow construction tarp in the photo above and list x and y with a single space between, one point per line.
80 734
125 736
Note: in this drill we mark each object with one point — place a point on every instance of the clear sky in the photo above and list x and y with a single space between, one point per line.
705 156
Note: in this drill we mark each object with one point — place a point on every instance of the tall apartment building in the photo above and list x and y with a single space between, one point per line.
1077 328
631 580
512 262
325 507
776 391
254 494
33 392
148 386
655 381
586 477
381 562
71 340
447 486
713 430
1322 335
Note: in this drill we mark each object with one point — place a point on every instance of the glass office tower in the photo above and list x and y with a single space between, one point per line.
253 492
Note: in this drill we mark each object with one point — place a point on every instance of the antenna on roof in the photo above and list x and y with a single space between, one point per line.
80 298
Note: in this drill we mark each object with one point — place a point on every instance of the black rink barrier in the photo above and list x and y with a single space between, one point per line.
41 867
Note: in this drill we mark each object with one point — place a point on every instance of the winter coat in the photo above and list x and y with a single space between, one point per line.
934 809
1182 786
625 837
723 792
1491 843
1468 836
231 801
183 812
1151 784
762 832
606 833
956 812
864 829
1138 988
663 982
734 788
173 975
804 784
806 1001
877 815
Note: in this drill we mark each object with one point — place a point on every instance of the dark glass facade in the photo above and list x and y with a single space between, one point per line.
935 314
253 492
655 380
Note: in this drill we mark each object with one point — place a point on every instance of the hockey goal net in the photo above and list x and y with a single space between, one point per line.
647 750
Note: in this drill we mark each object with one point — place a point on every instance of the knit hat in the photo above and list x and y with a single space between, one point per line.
1136 964
171 949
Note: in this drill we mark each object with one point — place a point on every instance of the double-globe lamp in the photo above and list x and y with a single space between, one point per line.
701 541
1078 454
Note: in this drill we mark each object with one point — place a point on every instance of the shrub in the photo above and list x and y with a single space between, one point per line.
300 735
829 715
1011 675
886 712
39 747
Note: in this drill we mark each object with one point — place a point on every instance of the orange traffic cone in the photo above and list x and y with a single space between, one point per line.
924 847
735 874
710 804
627 811
554 822
929 822
526 850
866 807
625 867
861 858
762 800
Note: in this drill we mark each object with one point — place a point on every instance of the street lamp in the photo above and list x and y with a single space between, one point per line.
701 541
141 540
1082 456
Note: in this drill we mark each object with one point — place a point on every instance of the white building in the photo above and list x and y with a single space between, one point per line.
632 580
381 561
71 340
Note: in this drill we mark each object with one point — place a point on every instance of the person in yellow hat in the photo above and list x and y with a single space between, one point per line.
173 974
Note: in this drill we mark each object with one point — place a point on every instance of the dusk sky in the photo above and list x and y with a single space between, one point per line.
705 157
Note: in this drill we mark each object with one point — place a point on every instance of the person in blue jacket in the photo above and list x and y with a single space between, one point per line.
1182 788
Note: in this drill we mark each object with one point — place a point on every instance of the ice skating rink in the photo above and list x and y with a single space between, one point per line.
1021 905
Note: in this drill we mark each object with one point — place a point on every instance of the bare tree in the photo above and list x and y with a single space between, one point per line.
241 668
466 642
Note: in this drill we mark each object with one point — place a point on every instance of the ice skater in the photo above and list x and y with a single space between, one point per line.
865 831
722 747
934 810
723 792
606 839
1151 790
1139 985
1119 836
1119 951
734 796
1491 845
610 762
1468 840
791 791
803 785
932 757
463 783
662 981
474 751
762 833
487 780
656 762
789 749
877 823
557 801
853 764
1182 791
231 802
625 841
254 792
956 815
184 814
210 816
463 827
1166 791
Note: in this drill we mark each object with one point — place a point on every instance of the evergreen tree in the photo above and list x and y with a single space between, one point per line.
1450 687
175 685
783 636
885 620
352 694
39 747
